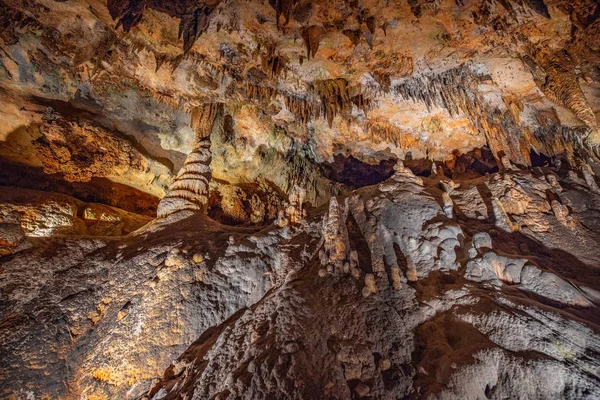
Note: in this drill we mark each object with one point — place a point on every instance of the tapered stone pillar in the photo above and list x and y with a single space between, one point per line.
189 190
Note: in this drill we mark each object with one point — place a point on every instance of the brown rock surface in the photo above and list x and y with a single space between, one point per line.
43 214
293 199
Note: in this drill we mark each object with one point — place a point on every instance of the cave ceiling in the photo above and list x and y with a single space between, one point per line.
376 80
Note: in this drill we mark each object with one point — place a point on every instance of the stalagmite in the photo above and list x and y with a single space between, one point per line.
295 211
498 269
396 278
189 190
553 181
507 165
281 220
448 204
370 286
370 230
337 250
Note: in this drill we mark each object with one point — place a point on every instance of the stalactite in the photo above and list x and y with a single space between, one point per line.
450 89
303 11
455 91
558 140
192 25
301 173
515 106
562 87
161 59
312 38
273 65
169 100
369 38
333 97
12 19
193 22
262 94
353 35
336 97
539 7
361 102
384 27
371 24
202 118
384 132
304 109
383 79
503 135
283 7
127 12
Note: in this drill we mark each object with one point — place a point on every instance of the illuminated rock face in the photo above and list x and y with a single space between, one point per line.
298 199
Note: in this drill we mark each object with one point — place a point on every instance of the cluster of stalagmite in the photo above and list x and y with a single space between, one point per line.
189 190
337 255
224 298
517 199
292 210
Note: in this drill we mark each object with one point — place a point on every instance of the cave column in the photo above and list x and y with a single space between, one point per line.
189 190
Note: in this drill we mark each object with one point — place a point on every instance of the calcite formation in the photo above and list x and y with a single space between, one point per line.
294 199
189 190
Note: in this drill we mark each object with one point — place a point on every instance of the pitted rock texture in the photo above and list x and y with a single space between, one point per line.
449 311
44 214
297 199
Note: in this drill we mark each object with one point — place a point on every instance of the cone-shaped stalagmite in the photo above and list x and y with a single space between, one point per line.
189 190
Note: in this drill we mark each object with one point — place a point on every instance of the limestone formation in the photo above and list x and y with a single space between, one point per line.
590 181
11 233
189 190
499 269
448 204
299 199
296 199
337 256
561 213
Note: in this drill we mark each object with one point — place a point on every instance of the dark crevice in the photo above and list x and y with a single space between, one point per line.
477 162
539 159
356 173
